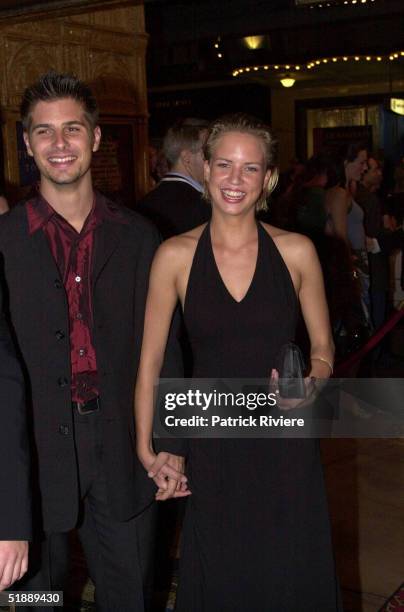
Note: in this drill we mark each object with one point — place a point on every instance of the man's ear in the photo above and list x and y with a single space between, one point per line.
97 138
206 171
26 140
185 157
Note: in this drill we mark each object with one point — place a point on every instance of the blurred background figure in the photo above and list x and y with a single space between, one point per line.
4 207
368 198
176 204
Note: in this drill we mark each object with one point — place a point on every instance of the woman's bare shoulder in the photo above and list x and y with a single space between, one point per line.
285 237
336 195
179 249
292 246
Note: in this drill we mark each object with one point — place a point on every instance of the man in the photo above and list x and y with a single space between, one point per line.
176 204
15 511
76 269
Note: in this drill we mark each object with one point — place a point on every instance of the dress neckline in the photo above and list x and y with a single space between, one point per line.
220 277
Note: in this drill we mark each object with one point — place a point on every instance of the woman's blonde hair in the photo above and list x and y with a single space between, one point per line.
245 124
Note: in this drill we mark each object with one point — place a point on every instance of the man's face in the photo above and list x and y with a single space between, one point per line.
373 176
61 141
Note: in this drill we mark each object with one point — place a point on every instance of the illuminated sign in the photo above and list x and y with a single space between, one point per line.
397 105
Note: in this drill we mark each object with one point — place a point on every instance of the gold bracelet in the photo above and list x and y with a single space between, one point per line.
324 361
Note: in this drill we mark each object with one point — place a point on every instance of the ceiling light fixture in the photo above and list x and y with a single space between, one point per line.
287 82
254 42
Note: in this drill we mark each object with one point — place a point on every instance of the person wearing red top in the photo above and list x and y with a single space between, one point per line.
76 272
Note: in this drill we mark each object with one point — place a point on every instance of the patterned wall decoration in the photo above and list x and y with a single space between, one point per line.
104 47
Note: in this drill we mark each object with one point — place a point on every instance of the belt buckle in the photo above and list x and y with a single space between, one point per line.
81 407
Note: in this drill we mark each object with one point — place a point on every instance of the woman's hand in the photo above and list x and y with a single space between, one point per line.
167 471
288 403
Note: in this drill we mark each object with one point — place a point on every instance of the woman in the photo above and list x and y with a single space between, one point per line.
256 533
347 216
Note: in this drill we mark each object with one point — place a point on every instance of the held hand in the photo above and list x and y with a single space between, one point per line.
167 471
13 562
171 469
288 403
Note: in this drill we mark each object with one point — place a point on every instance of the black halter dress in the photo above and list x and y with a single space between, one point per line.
256 536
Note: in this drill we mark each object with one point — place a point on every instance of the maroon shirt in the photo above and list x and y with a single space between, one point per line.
73 254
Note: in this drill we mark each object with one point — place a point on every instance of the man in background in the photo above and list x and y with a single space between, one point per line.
176 204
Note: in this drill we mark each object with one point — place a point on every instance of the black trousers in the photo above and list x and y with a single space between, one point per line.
119 555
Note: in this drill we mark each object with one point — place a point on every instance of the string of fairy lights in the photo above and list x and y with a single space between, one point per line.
329 3
317 63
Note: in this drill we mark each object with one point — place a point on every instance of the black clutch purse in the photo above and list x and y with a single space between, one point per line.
291 368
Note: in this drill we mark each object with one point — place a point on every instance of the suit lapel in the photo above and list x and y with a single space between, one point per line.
106 241
43 259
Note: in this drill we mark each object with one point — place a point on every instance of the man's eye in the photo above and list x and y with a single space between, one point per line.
73 128
43 131
222 164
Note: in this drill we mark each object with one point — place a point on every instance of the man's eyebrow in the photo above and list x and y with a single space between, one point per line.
46 125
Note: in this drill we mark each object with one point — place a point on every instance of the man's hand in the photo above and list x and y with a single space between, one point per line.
13 562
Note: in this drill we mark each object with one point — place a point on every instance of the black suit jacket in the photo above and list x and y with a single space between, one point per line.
15 511
174 207
38 311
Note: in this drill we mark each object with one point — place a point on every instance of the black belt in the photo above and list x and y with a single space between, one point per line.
93 405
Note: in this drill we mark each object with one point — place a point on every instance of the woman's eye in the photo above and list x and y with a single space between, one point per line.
222 164
252 169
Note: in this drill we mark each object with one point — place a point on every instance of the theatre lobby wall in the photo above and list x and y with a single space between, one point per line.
104 47
284 102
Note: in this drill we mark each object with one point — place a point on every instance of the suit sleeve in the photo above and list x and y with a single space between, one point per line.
173 362
15 509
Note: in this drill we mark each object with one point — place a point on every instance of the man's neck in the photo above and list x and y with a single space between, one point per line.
69 201
179 168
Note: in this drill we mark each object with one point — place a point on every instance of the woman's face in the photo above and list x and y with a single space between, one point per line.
236 173
355 169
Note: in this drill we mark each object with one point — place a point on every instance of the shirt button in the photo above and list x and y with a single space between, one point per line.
82 352
77 279
79 316
62 381
59 334
63 430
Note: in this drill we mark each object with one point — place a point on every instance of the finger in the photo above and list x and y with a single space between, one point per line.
17 571
178 494
5 580
24 564
169 492
157 465
172 486
23 569
171 472
161 482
